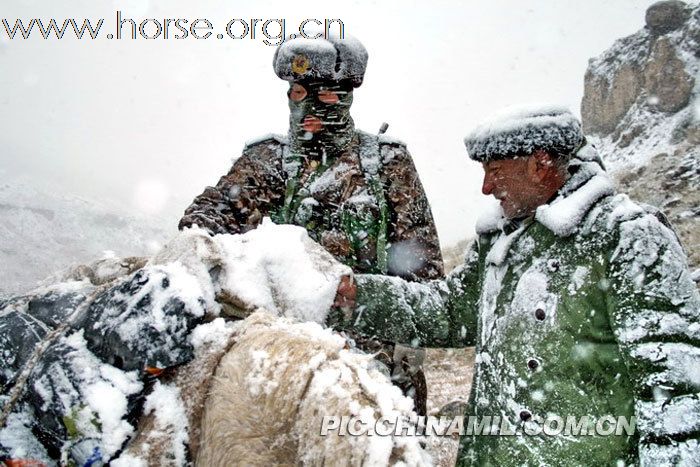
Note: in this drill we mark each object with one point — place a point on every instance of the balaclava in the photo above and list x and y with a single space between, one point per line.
320 125
322 73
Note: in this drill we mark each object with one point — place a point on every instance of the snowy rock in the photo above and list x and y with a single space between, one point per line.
666 78
640 107
666 16
643 72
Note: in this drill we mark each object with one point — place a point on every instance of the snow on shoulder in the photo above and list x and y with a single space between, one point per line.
588 183
263 138
522 130
563 216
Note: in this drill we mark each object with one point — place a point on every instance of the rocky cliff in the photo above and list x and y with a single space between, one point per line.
641 109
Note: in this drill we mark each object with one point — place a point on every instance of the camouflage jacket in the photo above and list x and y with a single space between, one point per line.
366 206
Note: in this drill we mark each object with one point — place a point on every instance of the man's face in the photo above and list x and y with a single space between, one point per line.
512 182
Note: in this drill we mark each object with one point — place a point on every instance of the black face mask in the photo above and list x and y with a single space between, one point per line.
320 125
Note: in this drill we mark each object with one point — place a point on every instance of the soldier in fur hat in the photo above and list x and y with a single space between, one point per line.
357 194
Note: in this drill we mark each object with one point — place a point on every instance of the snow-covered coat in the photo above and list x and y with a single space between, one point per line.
587 309
367 207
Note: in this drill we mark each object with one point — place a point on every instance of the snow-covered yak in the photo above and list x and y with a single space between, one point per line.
219 392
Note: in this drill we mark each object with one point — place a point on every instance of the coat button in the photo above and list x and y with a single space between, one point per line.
553 265
540 314
525 415
533 364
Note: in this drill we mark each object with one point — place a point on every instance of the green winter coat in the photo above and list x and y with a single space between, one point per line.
587 309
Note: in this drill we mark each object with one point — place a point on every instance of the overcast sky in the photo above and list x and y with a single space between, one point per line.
148 123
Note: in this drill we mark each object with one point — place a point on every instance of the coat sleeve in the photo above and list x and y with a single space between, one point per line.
654 308
414 251
439 313
252 189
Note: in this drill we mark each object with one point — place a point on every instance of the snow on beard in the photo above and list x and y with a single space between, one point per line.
320 120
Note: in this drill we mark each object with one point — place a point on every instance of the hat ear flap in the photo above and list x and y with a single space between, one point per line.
351 60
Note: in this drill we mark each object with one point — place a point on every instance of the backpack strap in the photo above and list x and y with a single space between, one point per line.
290 167
370 162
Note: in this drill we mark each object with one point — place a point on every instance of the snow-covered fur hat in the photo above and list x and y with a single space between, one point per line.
331 59
523 130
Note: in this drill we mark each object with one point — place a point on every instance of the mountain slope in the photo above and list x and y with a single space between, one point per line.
641 107
42 232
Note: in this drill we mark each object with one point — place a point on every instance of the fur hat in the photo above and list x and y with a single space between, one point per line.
523 130
332 59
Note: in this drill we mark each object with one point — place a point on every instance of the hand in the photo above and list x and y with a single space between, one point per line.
346 294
